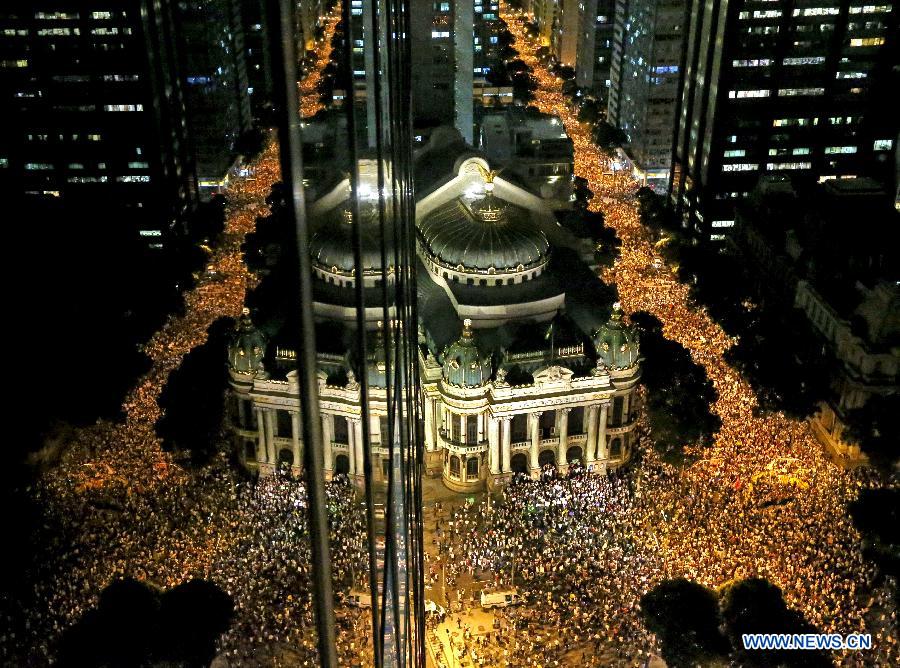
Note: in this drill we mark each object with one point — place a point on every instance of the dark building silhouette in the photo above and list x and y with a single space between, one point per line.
773 88
94 112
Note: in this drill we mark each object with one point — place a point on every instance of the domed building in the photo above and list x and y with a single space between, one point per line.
516 374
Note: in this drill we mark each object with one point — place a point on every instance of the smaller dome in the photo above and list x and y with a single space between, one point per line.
247 347
617 344
331 247
463 364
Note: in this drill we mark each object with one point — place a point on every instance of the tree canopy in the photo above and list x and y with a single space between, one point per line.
135 624
876 427
685 617
679 392
193 398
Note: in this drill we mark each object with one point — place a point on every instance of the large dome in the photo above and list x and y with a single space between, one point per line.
331 247
617 343
487 234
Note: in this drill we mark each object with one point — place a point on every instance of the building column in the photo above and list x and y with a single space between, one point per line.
270 436
494 445
591 453
358 446
506 428
351 447
327 438
563 431
261 433
430 443
626 408
480 430
535 439
241 410
295 439
603 446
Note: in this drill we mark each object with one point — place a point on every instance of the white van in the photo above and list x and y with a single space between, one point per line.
432 608
359 599
500 599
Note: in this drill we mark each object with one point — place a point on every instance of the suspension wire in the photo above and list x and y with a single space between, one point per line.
361 343
291 155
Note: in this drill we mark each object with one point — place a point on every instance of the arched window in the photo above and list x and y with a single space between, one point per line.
250 451
285 458
454 466
341 434
341 464
519 427
519 463
615 448
618 403
576 420
472 467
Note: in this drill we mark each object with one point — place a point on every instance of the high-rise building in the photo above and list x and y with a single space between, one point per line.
644 83
594 57
93 111
768 88
259 69
214 74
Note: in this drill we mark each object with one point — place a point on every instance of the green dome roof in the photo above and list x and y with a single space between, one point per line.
617 344
463 364
488 233
331 247
247 347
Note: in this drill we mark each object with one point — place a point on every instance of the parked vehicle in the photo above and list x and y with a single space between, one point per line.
500 599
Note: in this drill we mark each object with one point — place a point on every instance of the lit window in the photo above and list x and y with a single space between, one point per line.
743 94
437 34
101 16
741 167
871 9
735 153
817 11
723 223
851 75
755 62
792 92
805 60
883 144
123 107
716 237
867 41
38 166
831 150
778 166
138 165
133 178
13 63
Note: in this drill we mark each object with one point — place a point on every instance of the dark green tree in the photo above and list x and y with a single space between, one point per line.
679 393
876 515
876 427
193 399
685 617
608 136
756 605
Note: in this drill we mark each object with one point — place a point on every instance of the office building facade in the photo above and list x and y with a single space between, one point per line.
644 83
93 110
767 88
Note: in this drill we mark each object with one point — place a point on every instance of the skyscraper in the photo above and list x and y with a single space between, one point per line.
772 88
592 66
93 112
214 72
644 83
